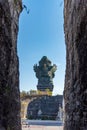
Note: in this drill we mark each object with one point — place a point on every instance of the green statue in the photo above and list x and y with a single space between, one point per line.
45 74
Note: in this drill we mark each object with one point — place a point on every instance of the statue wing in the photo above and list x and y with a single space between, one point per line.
37 70
54 68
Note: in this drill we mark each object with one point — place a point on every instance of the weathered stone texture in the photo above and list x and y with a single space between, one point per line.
75 92
48 105
9 74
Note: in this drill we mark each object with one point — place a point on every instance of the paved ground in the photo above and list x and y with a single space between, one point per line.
41 125
34 127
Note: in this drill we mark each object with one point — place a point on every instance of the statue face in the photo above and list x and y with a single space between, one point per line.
45 65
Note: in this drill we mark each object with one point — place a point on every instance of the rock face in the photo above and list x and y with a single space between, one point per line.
75 92
9 75
45 107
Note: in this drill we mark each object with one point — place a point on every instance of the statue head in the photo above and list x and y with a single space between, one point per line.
44 60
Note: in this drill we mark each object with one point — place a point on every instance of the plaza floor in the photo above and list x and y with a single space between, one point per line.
41 125
38 127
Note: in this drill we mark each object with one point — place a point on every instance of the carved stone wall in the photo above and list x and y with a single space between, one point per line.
9 74
75 92
45 107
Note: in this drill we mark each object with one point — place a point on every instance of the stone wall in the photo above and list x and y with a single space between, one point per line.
9 74
45 108
75 92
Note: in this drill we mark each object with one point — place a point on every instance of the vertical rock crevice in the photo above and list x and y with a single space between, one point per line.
9 68
75 92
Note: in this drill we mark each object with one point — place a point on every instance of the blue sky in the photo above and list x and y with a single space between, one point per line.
41 34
